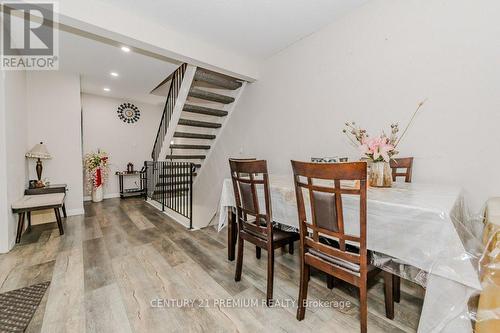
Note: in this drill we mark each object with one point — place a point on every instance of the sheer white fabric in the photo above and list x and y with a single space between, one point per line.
425 226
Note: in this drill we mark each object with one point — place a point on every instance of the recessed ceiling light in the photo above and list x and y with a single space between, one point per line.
106 89
115 74
125 49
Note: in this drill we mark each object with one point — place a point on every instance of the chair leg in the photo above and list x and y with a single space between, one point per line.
329 281
290 247
257 252
363 305
389 294
239 260
270 275
304 283
20 226
231 239
396 284
59 221
235 233
28 214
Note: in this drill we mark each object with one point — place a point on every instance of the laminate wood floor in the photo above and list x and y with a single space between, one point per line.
126 267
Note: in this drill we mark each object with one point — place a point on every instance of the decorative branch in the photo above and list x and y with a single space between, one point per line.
410 122
378 148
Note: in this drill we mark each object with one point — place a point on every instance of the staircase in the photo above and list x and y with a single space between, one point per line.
210 100
198 104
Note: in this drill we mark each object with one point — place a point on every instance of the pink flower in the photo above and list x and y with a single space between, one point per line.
377 147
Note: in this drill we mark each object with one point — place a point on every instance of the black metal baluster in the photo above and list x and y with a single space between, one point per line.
189 188
183 198
170 183
180 187
176 186
191 196
186 185
170 170
144 181
163 190
173 185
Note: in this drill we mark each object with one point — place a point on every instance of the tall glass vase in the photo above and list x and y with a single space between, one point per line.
380 174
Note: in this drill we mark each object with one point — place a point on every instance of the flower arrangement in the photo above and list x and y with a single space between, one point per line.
96 168
378 148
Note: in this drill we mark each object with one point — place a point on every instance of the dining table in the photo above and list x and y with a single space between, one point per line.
426 226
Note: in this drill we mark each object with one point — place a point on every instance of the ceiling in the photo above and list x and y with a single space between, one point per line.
256 28
94 59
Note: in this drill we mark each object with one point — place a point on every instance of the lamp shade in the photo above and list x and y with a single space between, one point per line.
39 151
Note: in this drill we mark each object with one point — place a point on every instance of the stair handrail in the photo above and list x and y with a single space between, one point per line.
177 77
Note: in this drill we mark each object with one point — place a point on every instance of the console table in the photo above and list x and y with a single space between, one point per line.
131 192
52 188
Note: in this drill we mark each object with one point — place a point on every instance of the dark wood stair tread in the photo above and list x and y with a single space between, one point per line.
210 96
204 110
194 135
215 79
197 123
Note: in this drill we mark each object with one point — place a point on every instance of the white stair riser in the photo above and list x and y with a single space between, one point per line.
194 129
190 151
186 141
201 117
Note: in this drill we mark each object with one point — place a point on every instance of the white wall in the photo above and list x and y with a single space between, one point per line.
54 117
373 66
13 143
102 129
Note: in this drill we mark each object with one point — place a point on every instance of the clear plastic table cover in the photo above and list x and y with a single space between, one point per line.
421 232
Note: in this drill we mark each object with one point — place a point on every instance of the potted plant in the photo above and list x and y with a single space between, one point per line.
378 150
96 169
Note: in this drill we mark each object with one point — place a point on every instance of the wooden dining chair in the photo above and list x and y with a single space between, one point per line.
232 230
345 256
402 163
257 249
254 224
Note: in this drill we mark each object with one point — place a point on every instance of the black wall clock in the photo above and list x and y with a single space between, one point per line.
129 113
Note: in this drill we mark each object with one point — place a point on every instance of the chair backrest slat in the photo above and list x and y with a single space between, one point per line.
402 163
326 209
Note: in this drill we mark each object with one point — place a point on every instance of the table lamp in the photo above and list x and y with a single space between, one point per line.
40 152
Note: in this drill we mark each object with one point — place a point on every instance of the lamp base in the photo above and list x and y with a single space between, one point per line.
39 169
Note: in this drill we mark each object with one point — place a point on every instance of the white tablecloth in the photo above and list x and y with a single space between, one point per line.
416 223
